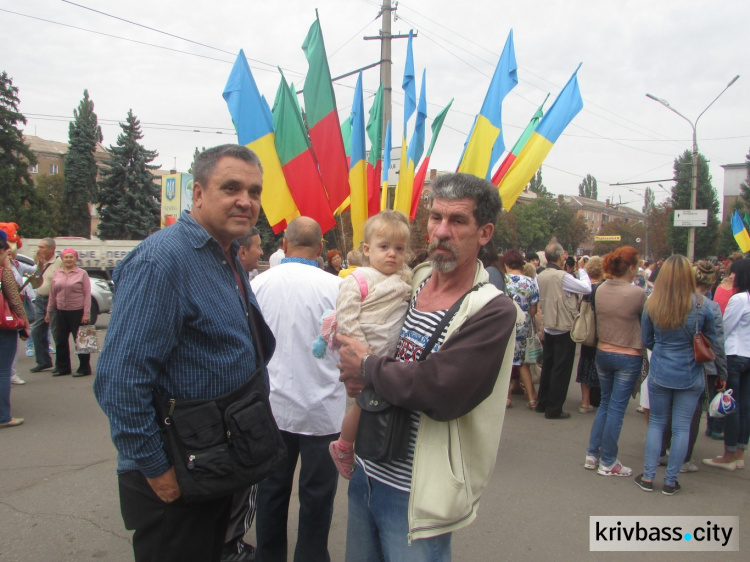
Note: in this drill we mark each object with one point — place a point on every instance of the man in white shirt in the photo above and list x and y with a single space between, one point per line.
307 399
557 291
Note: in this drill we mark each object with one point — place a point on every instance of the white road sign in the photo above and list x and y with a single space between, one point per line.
698 217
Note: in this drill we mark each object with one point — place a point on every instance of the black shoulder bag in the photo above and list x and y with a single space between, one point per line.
383 430
224 444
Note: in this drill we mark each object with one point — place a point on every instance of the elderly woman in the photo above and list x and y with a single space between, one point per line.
8 338
333 262
70 300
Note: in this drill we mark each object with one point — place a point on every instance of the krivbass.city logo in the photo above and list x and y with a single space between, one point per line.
695 533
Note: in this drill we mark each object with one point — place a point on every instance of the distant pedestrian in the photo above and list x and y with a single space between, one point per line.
46 263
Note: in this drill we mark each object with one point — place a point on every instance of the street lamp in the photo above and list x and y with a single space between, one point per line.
694 187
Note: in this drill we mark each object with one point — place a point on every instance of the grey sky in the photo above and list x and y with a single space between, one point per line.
684 51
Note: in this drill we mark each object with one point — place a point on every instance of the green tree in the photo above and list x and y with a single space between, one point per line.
18 198
745 187
533 223
648 200
630 233
506 231
195 155
129 198
80 169
50 191
588 187
705 237
570 229
537 185
658 241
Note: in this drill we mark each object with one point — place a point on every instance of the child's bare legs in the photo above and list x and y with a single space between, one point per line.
350 424
342 450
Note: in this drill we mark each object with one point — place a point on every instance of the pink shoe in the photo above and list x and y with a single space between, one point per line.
343 460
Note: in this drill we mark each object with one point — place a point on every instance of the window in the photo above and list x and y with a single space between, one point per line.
53 169
34 169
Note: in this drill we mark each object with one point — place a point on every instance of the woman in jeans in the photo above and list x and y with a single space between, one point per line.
618 305
671 317
737 334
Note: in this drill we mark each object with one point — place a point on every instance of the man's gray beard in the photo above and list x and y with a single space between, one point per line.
443 264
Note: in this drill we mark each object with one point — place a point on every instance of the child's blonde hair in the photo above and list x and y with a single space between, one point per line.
387 221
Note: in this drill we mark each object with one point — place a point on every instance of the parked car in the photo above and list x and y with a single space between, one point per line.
101 292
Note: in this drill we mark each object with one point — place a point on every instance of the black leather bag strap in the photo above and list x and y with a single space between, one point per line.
445 321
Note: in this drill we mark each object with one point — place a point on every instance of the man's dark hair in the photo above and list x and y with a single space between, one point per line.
205 162
486 198
246 240
741 270
532 256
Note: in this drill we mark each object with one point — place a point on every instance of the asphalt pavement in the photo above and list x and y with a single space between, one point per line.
59 502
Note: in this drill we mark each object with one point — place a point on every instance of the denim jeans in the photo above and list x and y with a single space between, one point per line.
378 526
737 425
318 479
40 333
682 402
618 373
8 346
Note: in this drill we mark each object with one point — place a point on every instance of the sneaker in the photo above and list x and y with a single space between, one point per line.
51 349
30 352
740 463
643 484
585 409
344 460
617 469
15 379
668 490
241 552
591 462
689 466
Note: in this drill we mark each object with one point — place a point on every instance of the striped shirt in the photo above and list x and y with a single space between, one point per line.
415 333
180 326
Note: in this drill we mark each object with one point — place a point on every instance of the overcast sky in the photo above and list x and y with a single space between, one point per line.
685 51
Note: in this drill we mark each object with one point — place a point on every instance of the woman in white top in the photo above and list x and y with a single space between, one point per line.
737 334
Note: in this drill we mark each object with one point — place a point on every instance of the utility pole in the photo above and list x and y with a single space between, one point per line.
386 63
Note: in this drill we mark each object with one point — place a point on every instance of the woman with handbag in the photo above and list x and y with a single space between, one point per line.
618 305
737 334
587 376
70 298
12 320
525 292
673 316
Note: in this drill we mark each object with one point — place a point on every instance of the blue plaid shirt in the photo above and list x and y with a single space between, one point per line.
179 325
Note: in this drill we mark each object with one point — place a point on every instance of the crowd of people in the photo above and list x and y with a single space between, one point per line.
397 332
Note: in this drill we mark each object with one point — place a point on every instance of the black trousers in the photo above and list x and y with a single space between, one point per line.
318 479
557 365
166 532
66 323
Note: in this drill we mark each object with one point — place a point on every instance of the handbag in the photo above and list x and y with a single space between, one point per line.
584 324
534 351
383 430
702 346
221 445
8 319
